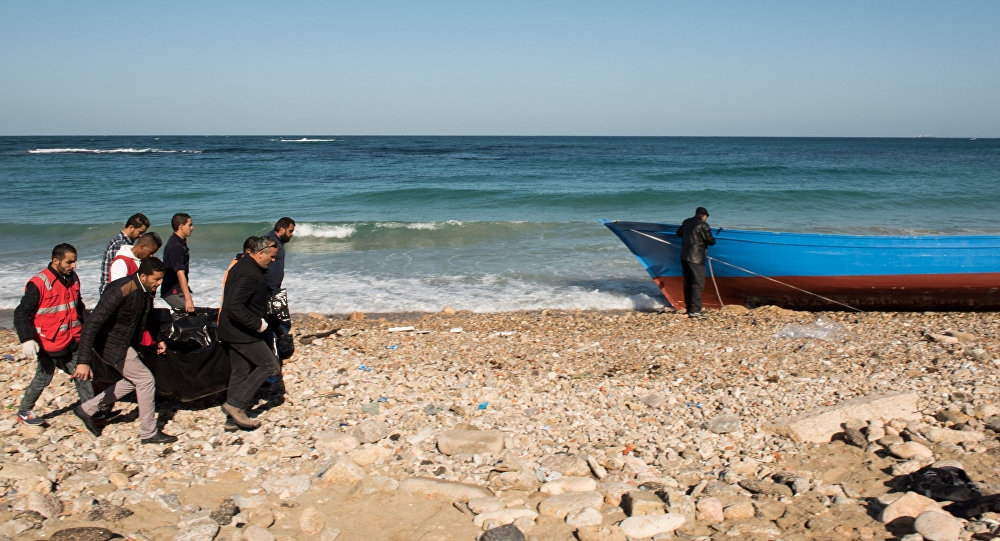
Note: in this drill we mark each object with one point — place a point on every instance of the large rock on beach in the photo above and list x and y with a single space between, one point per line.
821 425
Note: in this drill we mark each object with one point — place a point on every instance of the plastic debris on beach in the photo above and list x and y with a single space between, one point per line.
364 368
482 405
822 329
400 329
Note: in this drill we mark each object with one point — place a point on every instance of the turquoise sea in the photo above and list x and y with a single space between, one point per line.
393 224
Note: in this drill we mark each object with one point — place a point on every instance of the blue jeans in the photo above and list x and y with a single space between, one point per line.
43 376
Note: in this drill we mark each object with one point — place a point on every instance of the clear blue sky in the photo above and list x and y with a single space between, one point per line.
769 68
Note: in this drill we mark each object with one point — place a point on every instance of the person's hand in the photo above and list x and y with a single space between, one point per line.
83 373
189 305
161 348
29 348
263 326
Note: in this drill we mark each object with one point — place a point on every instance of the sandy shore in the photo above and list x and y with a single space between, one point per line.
568 425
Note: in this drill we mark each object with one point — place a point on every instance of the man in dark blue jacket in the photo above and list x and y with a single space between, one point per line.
244 332
112 334
696 237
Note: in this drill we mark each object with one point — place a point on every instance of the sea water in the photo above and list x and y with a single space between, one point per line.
399 224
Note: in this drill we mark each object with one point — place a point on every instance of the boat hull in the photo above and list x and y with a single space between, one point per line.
827 272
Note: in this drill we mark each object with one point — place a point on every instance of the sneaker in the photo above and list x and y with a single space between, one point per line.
696 315
29 418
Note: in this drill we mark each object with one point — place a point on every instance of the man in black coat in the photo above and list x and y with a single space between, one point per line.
243 330
696 238
112 334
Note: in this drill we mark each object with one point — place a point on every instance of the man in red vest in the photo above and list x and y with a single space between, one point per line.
48 322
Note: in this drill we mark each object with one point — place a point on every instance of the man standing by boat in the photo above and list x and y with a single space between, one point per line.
696 237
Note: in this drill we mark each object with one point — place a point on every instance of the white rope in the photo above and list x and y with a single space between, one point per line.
748 271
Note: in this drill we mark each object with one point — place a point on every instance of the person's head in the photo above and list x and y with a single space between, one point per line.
151 273
249 244
263 251
702 213
64 258
147 245
136 225
284 228
182 224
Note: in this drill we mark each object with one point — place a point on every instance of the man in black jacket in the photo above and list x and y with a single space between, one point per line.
697 237
112 334
243 330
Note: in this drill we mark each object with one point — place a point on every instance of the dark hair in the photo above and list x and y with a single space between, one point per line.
283 223
700 211
150 265
249 243
179 219
60 251
150 238
137 220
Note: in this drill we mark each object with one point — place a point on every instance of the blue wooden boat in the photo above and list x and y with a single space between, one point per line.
805 271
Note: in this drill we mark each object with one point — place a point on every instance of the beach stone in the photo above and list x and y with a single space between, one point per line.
23 470
651 525
344 471
22 522
570 465
724 424
374 484
257 533
768 488
938 526
311 521
600 533
908 506
710 509
470 442
46 505
740 510
642 502
369 454
910 450
336 442
945 435
587 516
249 501
500 517
449 490
561 505
507 532
288 487
199 527
819 426
485 505
104 511
569 484
85 533
224 513
370 431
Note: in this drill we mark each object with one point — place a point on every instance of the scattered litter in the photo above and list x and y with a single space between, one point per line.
394 346
8 357
456 329
482 405
822 329
364 368
400 329
694 404
383 399
505 333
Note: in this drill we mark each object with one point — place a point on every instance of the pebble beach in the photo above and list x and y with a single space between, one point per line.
545 425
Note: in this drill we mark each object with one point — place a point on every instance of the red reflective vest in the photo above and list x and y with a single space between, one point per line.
57 323
130 266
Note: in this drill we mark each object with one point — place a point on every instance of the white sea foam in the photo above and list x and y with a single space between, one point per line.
110 151
307 140
324 231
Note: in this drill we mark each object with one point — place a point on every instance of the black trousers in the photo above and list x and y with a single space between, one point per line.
694 285
250 365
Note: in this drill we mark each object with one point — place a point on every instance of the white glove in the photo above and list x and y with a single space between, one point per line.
263 327
29 349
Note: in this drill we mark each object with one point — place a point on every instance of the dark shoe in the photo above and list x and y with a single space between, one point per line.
230 425
88 421
240 417
160 437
